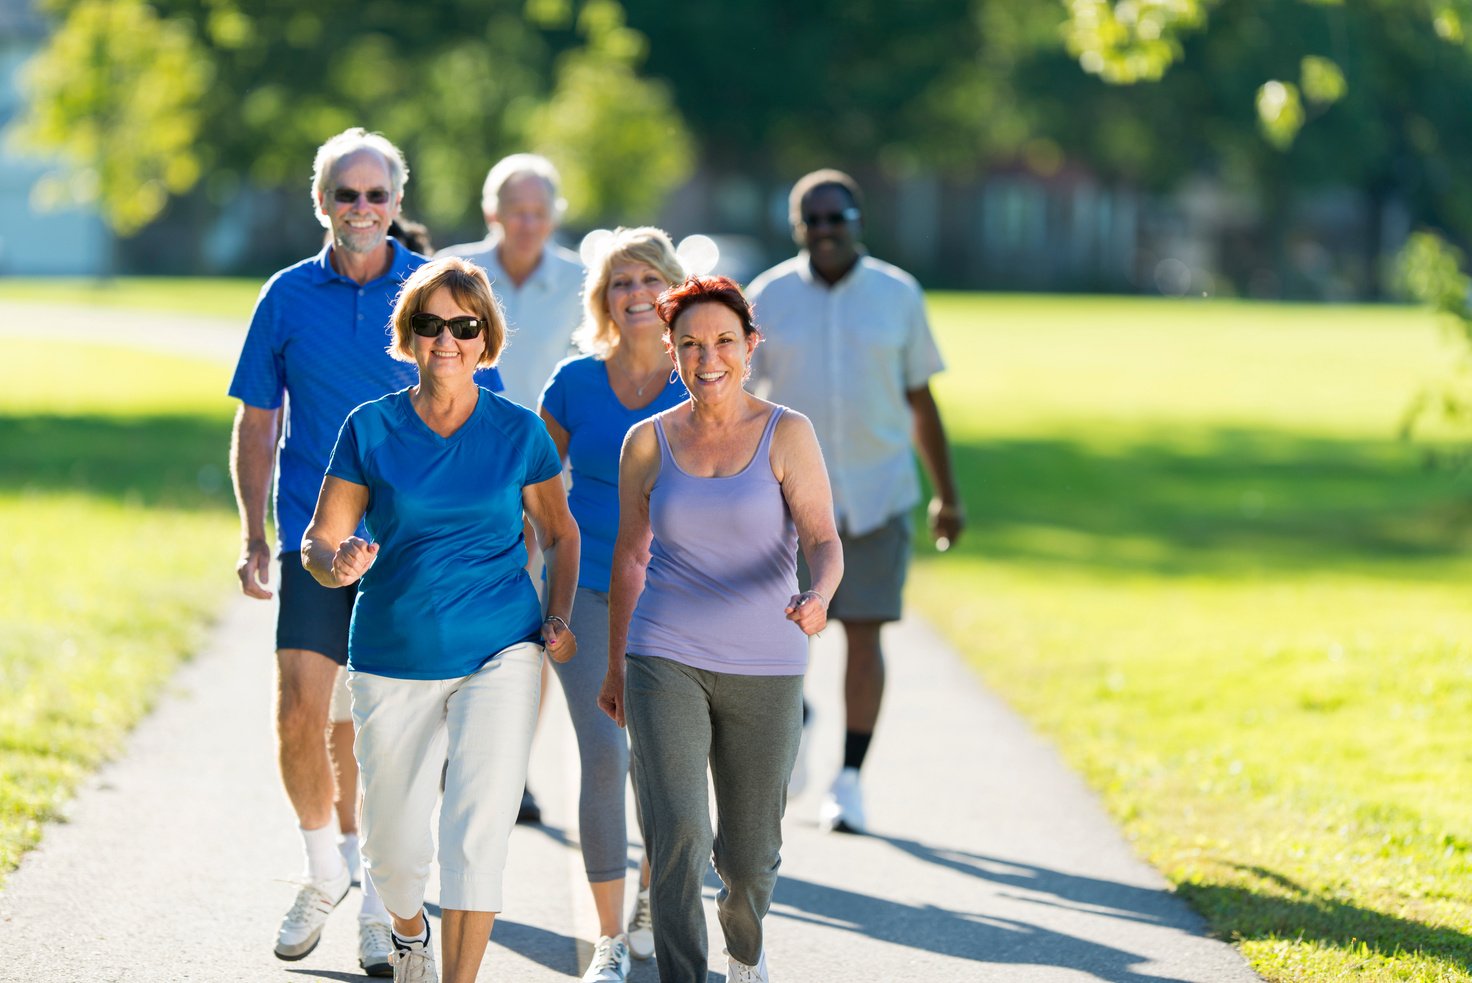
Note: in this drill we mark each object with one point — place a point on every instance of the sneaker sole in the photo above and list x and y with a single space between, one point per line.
377 969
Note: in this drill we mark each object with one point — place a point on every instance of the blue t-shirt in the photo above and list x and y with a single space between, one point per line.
317 342
449 588
580 398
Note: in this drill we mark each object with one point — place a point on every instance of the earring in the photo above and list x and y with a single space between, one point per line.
674 376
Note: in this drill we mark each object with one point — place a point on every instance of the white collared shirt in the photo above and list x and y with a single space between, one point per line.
845 356
542 313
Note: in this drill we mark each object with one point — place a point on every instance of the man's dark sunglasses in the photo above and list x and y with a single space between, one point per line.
850 214
349 196
430 325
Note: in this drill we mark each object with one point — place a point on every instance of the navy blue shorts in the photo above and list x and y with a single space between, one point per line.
312 617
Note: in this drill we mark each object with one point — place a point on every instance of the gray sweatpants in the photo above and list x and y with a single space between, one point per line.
747 729
603 748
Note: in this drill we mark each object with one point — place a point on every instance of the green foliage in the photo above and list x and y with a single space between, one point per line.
617 137
1130 41
1202 565
237 91
1430 271
117 93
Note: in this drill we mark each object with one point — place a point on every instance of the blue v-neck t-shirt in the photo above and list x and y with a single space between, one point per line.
581 399
449 588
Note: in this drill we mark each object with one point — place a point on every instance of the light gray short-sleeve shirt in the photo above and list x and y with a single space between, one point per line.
846 355
542 314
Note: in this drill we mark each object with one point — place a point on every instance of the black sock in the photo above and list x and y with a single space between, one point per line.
807 711
855 748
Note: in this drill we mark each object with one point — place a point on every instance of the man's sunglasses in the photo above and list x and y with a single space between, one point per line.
349 196
850 214
430 325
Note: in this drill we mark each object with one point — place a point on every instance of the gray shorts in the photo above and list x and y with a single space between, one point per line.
874 568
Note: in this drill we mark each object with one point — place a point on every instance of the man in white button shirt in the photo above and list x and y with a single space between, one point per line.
538 282
847 343
540 287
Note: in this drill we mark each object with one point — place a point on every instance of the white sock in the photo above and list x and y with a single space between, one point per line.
404 943
348 845
324 862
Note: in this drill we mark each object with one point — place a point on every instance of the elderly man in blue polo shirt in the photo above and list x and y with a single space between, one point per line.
315 350
847 343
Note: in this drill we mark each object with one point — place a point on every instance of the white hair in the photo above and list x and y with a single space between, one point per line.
345 144
508 169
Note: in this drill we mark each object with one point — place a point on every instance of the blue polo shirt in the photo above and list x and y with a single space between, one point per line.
580 398
317 343
449 587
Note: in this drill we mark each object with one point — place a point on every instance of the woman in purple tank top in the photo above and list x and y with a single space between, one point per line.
707 630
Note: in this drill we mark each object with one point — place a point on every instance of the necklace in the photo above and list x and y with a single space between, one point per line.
648 377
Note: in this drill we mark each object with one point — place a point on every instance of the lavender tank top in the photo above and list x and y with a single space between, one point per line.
722 567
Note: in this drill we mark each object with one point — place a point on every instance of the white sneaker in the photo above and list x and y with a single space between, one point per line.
738 972
375 946
414 964
610 961
842 810
301 929
641 927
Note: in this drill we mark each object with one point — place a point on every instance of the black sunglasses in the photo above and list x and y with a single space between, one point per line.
430 325
349 196
849 214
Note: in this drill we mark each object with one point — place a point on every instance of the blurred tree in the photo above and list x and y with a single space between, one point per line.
245 90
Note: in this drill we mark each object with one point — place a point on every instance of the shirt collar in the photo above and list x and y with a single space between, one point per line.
805 270
398 270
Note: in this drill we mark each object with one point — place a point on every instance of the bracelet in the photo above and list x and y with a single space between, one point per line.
560 620
818 596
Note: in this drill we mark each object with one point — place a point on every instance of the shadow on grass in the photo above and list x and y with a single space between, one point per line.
1286 910
179 461
1208 501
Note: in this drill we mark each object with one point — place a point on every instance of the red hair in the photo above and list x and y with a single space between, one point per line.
694 290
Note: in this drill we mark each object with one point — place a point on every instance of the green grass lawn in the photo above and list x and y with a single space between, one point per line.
119 544
1201 563
231 298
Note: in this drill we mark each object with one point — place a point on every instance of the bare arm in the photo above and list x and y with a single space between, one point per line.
546 506
637 468
947 516
560 437
252 460
330 551
797 464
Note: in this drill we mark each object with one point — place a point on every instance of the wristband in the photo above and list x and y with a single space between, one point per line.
560 620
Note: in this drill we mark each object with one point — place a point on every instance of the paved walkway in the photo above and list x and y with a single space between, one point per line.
987 861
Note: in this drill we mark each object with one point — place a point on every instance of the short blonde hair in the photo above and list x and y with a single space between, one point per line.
598 335
470 287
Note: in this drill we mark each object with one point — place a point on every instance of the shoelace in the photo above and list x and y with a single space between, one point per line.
742 973
643 918
307 899
377 937
606 955
417 963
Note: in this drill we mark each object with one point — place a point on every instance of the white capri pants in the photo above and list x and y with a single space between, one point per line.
406 727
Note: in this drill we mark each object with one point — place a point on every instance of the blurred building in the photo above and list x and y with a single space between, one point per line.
34 241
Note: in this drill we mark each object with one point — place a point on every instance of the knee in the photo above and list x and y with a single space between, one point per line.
300 720
743 870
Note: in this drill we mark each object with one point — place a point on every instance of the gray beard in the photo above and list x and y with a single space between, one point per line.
341 242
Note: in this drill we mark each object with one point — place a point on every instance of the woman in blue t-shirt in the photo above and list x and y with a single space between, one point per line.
445 647
588 405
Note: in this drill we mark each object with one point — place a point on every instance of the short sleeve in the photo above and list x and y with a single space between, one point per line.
260 374
542 461
347 461
922 356
554 394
